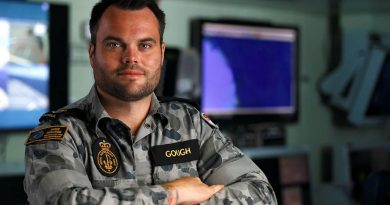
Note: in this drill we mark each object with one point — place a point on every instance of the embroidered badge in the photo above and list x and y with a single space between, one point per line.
175 153
105 156
207 119
53 133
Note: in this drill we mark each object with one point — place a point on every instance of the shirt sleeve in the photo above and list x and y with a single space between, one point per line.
223 163
55 174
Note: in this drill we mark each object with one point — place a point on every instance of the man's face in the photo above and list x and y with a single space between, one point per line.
128 55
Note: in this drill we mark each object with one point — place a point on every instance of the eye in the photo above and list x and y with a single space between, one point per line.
112 45
145 46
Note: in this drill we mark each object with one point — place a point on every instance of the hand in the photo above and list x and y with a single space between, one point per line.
190 190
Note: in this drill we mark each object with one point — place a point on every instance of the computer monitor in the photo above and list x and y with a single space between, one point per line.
371 93
359 88
378 105
33 62
249 70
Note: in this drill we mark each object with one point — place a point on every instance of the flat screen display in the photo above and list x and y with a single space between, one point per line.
248 70
26 63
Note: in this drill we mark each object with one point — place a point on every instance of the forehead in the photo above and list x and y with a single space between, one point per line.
115 19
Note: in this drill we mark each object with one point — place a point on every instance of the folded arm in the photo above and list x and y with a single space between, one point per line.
223 163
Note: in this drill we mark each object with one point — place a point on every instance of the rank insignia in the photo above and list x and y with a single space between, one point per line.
52 133
106 157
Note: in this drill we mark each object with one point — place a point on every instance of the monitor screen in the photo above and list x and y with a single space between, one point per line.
28 63
248 70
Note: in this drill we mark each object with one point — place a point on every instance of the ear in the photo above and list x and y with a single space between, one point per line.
91 52
162 52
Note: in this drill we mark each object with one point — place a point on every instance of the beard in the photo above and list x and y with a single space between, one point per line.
122 92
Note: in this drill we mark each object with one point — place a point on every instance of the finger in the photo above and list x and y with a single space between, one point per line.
217 188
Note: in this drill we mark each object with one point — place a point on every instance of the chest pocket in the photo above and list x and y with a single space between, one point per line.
166 173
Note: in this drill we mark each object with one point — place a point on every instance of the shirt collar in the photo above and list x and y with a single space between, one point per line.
157 110
96 111
95 108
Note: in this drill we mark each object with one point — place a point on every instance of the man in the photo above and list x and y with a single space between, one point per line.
120 144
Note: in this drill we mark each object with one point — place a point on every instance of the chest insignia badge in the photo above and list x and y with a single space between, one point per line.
106 157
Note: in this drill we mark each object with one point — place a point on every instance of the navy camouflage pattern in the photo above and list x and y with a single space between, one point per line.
66 171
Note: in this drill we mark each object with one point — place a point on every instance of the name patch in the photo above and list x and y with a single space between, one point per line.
53 133
175 153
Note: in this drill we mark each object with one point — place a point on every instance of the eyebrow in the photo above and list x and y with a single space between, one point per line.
143 40
109 38
148 39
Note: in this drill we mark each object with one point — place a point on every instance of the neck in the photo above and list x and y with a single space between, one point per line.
132 113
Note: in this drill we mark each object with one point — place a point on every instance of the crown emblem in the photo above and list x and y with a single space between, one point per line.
104 145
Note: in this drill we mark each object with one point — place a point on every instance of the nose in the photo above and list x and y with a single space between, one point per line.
130 55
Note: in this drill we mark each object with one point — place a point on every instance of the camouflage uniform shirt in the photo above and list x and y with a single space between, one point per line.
80 155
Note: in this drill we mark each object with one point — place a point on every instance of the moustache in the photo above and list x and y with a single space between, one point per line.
132 67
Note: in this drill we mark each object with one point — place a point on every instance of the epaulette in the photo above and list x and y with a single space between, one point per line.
57 114
184 100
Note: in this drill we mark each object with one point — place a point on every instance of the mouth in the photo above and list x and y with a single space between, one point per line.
131 73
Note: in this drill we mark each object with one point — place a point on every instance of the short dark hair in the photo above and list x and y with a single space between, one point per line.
101 6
